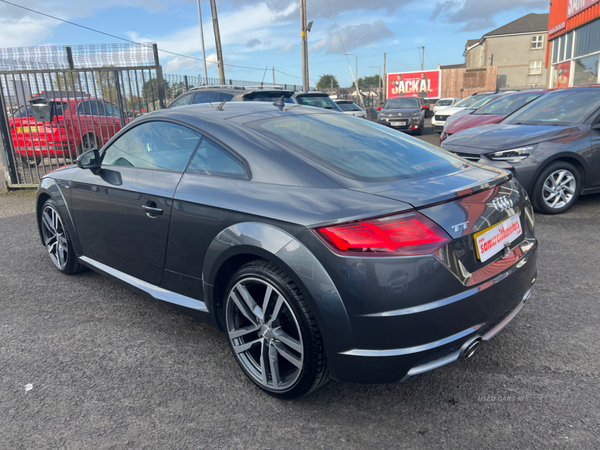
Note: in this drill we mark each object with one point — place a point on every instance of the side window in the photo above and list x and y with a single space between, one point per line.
212 159
205 97
153 145
111 110
84 108
182 101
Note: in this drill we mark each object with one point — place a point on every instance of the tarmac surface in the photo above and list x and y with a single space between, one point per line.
87 363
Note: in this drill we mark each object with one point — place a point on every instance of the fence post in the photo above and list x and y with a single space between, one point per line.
122 114
160 82
6 155
70 58
186 83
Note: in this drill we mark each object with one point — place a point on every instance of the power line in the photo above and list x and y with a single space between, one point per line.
119 37
432 65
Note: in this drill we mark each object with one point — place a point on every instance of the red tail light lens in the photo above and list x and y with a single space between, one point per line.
406 234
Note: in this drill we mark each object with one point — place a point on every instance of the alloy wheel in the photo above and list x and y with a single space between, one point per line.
55 237
559 188
264 334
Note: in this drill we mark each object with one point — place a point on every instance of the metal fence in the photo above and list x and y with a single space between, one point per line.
56 102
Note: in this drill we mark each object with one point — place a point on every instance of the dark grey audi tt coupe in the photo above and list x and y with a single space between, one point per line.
323 245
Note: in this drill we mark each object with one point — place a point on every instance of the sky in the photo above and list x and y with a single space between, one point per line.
257 34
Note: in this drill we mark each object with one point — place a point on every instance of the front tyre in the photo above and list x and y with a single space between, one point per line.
272 333
557 188
56 240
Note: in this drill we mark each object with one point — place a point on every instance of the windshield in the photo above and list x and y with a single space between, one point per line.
349 107
565 108
359 150
466 102
401 103
484 101
507 104
444 103
318 101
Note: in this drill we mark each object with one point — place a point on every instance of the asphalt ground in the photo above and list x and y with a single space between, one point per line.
86 363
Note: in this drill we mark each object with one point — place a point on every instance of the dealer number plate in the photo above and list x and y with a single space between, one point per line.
492 240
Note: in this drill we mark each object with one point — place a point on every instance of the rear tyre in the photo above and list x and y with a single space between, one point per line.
272 333
556 188
56 240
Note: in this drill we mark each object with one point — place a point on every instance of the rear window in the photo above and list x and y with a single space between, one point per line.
359 150
268 97
349 107
318 101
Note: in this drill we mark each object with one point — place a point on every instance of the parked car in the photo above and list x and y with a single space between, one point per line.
351 108
403 113
439 119
474 107
492 112
323 246
226 93
551 145
445 103
62 127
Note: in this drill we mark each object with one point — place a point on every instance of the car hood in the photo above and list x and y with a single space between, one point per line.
404 111
504 136
471 121
450 110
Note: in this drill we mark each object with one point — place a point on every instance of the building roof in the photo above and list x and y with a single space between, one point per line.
453 66
472 42
530 23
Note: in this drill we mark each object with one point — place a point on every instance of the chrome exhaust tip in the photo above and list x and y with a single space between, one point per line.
468 348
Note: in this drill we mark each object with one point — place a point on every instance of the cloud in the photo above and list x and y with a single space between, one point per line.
479 14
363 34
318 45
253 43
288 47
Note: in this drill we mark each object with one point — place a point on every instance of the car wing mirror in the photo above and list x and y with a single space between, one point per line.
90 160
379 108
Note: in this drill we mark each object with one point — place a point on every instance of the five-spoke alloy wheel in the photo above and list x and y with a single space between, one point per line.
272 333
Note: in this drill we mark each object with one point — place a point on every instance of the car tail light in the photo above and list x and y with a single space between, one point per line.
405 234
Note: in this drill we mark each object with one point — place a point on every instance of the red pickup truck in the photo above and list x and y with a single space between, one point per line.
62 127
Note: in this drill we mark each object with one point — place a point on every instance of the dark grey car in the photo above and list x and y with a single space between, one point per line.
405 114
552 146
322 245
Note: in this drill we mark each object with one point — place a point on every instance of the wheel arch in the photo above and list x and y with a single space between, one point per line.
246 242
572 158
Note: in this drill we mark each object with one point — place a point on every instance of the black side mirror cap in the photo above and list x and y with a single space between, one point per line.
90 160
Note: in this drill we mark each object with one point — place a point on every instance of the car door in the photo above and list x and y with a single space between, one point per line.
122 213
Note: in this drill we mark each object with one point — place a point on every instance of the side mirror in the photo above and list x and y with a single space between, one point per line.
379 108
425 107
90 160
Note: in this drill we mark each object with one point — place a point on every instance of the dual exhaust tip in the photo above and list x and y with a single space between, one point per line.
469 348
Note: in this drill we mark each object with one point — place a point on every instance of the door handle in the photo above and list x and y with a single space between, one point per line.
152 211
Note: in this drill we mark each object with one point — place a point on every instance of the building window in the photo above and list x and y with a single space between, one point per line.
535 67
586 70
537 42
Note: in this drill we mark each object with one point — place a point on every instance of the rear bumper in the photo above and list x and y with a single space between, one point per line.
434 331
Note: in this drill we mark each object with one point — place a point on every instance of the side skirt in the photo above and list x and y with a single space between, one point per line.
145 287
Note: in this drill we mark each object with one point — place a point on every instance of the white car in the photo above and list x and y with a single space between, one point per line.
439 118
445 103
351 108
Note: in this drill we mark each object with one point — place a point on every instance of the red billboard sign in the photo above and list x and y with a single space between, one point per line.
414 84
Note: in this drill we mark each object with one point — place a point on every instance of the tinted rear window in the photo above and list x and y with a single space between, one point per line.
359 150
316 101
268 97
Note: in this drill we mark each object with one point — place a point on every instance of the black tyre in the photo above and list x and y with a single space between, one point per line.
557 188
56 240
272 333
88 142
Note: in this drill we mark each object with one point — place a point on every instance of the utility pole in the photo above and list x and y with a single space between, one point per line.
273 75
355 75
423 59
304 34
202 40
213 8
384 77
